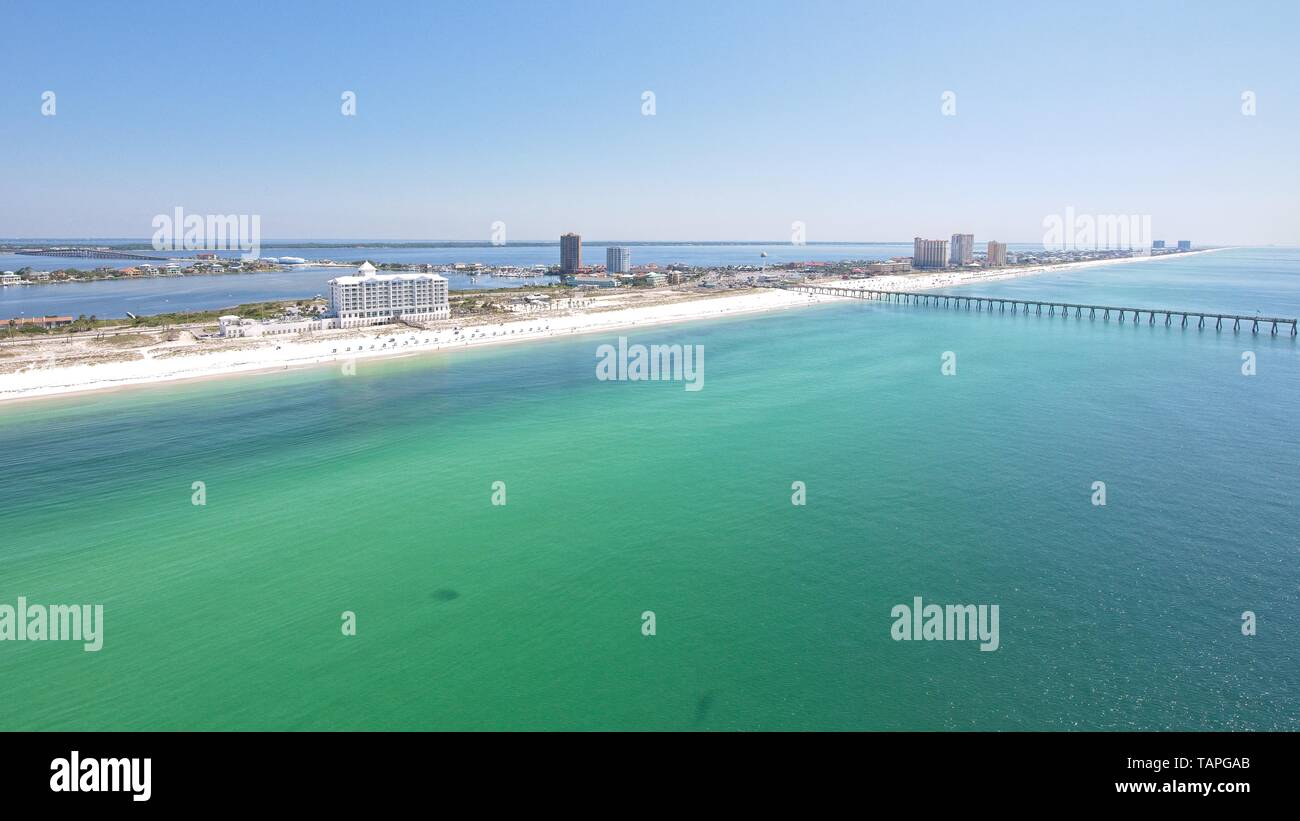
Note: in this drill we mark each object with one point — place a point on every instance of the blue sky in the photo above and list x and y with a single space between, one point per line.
766 113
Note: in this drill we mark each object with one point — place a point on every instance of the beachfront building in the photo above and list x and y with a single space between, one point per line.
590 281
929 253
890 267
570 253
36 322
366 298
618 260
235 326
963 249
1184 245
997 253
1158 244
370 298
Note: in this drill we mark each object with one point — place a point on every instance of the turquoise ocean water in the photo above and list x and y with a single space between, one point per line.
372 494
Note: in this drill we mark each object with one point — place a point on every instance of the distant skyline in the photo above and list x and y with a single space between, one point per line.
530 116
290 242
348 241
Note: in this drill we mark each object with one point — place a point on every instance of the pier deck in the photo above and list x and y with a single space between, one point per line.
959 301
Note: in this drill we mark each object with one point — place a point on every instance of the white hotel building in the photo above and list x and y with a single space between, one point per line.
369 298
366 298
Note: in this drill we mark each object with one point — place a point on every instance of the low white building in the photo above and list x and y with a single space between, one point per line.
234 326
370 298
590 281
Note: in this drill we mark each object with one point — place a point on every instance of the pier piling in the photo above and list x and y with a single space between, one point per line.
951 301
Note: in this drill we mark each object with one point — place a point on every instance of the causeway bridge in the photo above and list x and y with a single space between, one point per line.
1052 309
87 253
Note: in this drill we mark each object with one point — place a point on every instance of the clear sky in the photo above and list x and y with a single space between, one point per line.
530 113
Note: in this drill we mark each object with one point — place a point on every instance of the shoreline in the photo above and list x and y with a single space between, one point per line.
383 342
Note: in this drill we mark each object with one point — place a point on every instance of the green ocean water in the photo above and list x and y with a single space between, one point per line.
372 494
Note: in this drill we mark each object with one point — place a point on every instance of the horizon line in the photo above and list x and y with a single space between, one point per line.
527 242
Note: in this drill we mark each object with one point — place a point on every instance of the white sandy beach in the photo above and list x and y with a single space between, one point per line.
168 362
